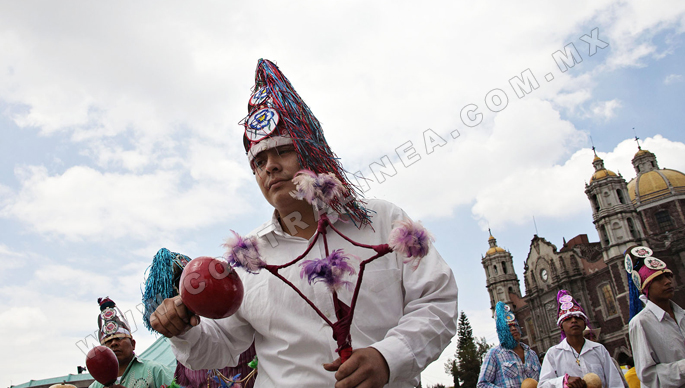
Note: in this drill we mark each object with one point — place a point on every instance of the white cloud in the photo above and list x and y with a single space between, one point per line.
605 109
633 25
86 203
521 141
10 259
673 78
539 191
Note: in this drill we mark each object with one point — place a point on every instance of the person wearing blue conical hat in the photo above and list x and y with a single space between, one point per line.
657 333
508 364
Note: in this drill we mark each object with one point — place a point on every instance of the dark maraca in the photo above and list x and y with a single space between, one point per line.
103 365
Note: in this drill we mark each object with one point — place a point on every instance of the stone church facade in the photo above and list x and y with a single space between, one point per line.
647 210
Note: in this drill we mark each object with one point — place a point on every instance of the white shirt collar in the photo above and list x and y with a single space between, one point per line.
564 345
660 314
274 226
656 310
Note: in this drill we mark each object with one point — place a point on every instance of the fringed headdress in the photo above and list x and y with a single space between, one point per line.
567 307
111 321
641 268
278 116
162 280
503 319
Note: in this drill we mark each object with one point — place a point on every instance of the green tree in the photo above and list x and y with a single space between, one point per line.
482 347
465 367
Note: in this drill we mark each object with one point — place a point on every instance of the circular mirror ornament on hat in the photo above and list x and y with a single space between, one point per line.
654 263
507 308
636 279
509 317
641 252
108 314
565 299
629 264
261 124
111 327
567 305
259 96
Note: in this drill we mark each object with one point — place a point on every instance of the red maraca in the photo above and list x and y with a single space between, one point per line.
210 288
103 365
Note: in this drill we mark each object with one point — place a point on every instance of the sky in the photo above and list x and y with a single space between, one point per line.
119 135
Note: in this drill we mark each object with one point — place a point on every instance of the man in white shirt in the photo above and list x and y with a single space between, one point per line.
567 363
405 315
657 333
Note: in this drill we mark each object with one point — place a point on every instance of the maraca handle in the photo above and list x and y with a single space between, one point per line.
345 353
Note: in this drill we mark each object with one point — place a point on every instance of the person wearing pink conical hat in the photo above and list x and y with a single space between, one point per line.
657 333
567 363
303 329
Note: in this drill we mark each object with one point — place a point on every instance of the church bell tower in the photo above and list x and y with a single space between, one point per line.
501 280
615 218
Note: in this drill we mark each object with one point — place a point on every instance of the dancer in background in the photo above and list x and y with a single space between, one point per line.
574 357
657 333
508 364
115 333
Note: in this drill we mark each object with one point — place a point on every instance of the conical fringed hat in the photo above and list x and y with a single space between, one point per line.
111 322
279 116
503 318
163 276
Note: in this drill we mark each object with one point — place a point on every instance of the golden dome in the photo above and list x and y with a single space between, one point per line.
641 152
596 158
601 174
494 250
491 238
676 178
654 184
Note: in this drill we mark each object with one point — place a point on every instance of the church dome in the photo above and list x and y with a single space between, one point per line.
641 152
493 246
494 250
600 171
655 184
601 174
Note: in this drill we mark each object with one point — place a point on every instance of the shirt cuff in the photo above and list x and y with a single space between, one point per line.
400 359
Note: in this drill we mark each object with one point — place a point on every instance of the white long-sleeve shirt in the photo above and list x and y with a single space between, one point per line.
658 344
560 359
408 315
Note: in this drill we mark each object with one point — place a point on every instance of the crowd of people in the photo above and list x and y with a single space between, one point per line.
405 310
657 338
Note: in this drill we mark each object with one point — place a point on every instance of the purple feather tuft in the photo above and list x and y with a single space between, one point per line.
319 190
329 270
243 252
410 239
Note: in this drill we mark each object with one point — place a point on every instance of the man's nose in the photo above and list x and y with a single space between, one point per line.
273 163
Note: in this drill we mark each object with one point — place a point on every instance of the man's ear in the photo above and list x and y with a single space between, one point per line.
133 343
